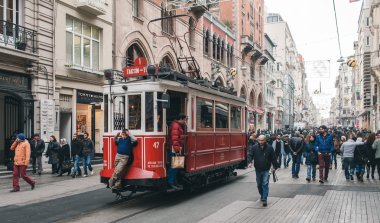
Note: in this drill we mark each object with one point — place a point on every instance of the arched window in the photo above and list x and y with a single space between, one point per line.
218 49
260 100
231 56
167 62
206 41
191 31
243 93
222 52
133 52
228 54
252 98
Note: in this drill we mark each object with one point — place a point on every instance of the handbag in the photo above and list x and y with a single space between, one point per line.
178 162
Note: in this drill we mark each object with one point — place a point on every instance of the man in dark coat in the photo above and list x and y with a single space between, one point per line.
37 147
297 146
76 153
88 152
263 157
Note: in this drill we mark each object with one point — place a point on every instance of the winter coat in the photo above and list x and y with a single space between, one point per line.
311 154
76 147
348 148
52 152
37 149
88 147
177 136
263 158
376 147
64 153
297 145
280 150
371 153
22 153
360 154
324 144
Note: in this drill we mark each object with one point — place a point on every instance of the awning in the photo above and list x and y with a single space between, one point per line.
259 111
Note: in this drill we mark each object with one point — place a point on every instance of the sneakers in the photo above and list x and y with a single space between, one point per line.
14 190
352 177
313 178
92 172
321 181
308 179
265 203
85 175
32 186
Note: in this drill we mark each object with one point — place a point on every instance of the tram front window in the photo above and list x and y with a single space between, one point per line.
134 112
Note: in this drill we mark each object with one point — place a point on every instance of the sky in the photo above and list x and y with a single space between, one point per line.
312 24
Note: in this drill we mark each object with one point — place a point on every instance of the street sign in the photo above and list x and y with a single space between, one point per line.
138 69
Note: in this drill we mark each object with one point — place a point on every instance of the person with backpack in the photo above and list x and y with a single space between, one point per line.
125 143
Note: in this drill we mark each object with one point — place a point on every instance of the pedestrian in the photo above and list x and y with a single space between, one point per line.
311 156
376 147
52 153
88 152
297 146
125 143
263 157
360 159
287 156
37 147
348 149
64 163
76 153
324 146
176 146
21 162
371 164
279 150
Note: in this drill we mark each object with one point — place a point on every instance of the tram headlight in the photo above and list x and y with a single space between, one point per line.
152 70
108 74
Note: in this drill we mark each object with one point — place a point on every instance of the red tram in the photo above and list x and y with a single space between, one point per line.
215 141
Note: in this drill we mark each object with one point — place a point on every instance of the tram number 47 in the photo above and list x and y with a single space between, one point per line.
156 145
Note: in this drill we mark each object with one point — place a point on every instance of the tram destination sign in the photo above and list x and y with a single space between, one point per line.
138 69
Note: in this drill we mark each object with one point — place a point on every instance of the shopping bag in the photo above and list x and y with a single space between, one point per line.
178 162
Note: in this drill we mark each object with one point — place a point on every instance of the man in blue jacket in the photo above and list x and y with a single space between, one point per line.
324 145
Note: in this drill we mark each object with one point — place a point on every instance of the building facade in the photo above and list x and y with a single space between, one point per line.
26 70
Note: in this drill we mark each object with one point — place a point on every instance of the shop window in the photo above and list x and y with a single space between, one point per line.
235 117
118 113
134 112
82 44
204 114
149 112
221 115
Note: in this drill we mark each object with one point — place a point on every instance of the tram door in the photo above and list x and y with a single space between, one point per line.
177 105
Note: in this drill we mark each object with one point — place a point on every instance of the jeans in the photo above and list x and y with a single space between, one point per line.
287 158
279 159
324 163
296 164
333 159
76 159
172 173
311 170
349 166
87 163
360 169
262 179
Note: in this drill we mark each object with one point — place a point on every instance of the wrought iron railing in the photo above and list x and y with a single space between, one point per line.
18 37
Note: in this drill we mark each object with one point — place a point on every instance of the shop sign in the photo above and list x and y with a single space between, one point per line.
88 97
47 119
14 80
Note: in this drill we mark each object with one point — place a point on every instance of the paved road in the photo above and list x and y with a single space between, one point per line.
237 198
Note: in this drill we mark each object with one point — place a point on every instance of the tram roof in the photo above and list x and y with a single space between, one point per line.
175 79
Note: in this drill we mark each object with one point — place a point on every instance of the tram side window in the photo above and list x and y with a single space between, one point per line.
221 116
159 113
134 108
149 112
204 114
235 117
119 113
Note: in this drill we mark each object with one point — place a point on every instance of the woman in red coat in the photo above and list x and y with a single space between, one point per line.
177 140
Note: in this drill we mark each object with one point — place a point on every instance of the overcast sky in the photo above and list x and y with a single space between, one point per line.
312 24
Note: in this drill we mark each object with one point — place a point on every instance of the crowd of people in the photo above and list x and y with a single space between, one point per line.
320 148
62 157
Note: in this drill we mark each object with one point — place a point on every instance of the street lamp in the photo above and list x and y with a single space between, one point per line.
340 60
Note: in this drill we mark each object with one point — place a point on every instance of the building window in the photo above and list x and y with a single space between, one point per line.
206 40
10 12
214 46
228 54
367 41
231 56
367 21
134 112
222 52
191 31
218 49
135 8
133 52
167 24
82 44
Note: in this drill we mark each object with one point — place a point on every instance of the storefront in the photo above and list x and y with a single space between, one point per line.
89 117
16 109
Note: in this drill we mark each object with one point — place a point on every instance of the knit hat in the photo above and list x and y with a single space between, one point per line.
21 136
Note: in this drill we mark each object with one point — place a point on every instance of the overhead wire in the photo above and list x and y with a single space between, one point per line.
337 29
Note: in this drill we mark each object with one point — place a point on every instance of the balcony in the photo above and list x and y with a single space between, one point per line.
17 37
247 42
95 7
